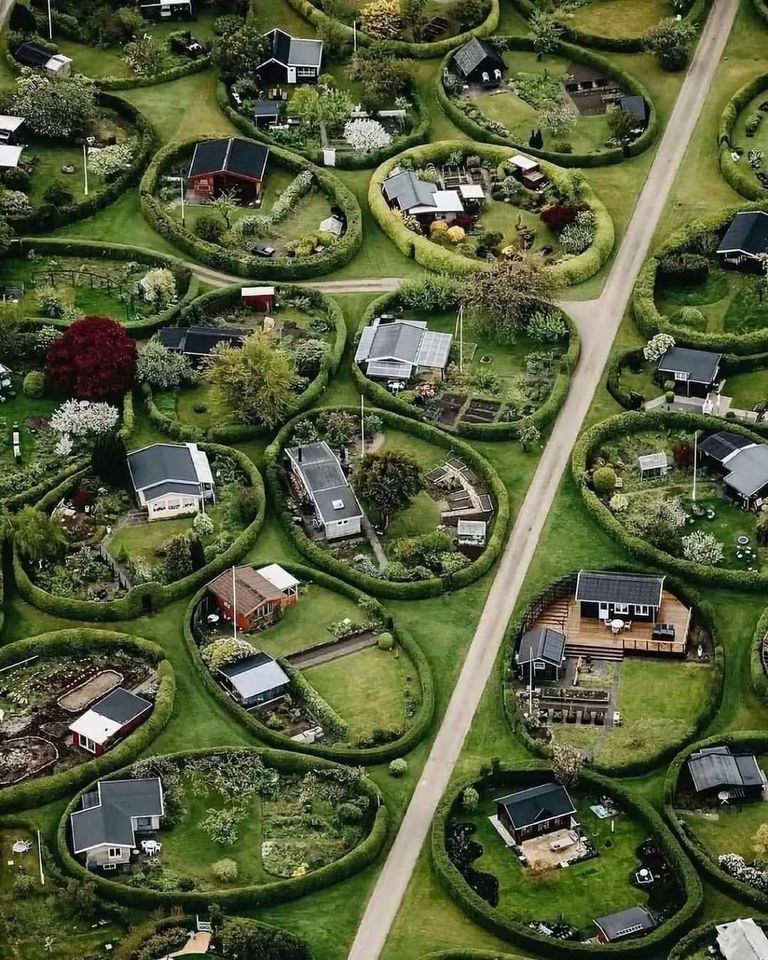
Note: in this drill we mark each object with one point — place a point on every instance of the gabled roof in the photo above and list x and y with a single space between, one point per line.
723 445
542 643
700 365
254 675
32 54
110 715
634 588
200 341
625 923
160 463
636 105
714 768
321 472
747 233
471 55
748 470
250 588
404 342
742 940
293 51
11 124
537 804
231 155
106 814
405 188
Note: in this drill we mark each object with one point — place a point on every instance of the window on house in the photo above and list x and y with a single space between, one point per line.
143 823
680 375
642 610
621 608
87 744
115 853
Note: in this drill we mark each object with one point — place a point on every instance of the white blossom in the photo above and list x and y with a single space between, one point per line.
700 547
64 445
159 286
658 345
366 135
105 161
79 419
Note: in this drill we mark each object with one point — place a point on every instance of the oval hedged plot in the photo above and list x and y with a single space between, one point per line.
72 642
413 590
245 264
506 925
342 753
738 173
198 310
570 271
256 895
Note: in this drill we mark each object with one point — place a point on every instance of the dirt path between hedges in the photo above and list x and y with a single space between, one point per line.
216 278
598 322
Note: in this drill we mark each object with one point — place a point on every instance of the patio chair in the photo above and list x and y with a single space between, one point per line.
627 625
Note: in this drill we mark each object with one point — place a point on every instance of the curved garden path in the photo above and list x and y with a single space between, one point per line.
357 285
598 322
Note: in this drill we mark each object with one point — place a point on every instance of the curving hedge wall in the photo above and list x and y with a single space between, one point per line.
740 175
340 752
627 423
33 793
143 597
345 160
756 668
761 9
260 895
753 740
476 131
245 264
233 433
651 321
629 767
542 417
322 558
420 51
570 271
504 924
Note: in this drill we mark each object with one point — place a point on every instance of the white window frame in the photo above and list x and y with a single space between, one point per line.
680 375
642 609
621 608
86 743
115 853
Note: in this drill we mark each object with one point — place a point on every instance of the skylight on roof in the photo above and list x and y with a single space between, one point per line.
337 504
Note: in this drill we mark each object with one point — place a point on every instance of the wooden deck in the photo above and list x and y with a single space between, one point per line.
593 635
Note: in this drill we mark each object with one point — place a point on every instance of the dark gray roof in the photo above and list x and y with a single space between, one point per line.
619 588
542 643
626 923
715 768
537 804
255 675
32 54
318 466
723 444
161 462
122 706
293 51
200 341
338 503
408 190
229 155
106 818
700 365
469 57
266 108
635 105
747 233
748 470
395 341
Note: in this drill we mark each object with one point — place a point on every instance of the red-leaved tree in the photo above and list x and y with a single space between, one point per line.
94 359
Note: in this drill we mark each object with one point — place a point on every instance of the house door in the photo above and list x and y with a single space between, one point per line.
602 612
291 74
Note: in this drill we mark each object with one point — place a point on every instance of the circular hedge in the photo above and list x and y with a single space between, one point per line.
756 669
630 767
627 423
257 895
651 321
753 740
413 735
542 417
506 925
144 597
197 310
570 271
412 590
739 175
477 131
34 793
244 264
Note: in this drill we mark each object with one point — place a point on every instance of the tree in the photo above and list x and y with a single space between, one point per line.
536 140
83 419
6 236
558 117
567 763
670 41
255 379
178 559
208 228
470 799
108 459
387 481
34 384
333 37
604 481
658 520
382 76
38 535
226 650
544 31
340 427
500 300
470 13
398 767
160 367
94 359
528 434
683 454
315 107
412 10
145 55
225 870
382 20
700 547
57 108
760 842
225 203
308 357
237 52
247 940
657 346
366 135
83 895
622 123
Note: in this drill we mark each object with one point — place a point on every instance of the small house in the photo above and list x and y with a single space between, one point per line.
402 349
316 471
695 373
332 225
528 172
109 721
289 59
716 771
250 598
624 925
105 828
479 62
718 449
540 655
637 107
745 241
535 811
471 533
405 191
199 343
228 164
262 299
254 681
171 479
653 465
603 596
583 78
267 112
31 54
10 156
9 128
166 9
747 479
742 939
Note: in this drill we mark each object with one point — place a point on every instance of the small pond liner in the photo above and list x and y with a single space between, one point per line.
43 747
79 694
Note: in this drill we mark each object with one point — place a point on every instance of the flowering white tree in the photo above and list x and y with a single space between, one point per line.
54 107
64 446
82 419
226 650
203 525
701 547
15 203
159 287
658 345
159 367
619 502
558 117
105 161
366 135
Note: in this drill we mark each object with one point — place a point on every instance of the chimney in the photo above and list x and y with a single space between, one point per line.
298 454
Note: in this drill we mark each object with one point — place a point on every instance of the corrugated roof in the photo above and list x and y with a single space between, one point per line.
434 349
748 470
714 768
747 233
626 923
537 804
742 939
597 587
405 188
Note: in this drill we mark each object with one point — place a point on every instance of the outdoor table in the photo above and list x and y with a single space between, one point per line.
213 618
150 846
742 541
617 625
21 846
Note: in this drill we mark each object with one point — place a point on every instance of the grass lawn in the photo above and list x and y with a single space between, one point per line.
616 18
729 300
305 624
217 411
366 689
18 410
421 516
747 389
141 542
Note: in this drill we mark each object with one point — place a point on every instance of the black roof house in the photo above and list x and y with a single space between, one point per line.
197 341
32 54
699 366
324 481
715 769
289 59
637 106
542 643
745 240
628 588
108 813
479 62
122 706
241 159
625 924
722 446
527 808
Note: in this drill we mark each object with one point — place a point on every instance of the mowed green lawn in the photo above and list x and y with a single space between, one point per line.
617 18
305 624
747 389
729 300
141 542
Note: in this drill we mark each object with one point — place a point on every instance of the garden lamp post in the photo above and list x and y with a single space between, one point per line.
695 462
85 167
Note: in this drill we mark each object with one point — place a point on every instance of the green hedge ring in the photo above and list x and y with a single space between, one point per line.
629 768
733 173
144 597
542 417
761 9
476 131
756 668
322 559
627 423
510 928
267 894
573 270
245 264
70 642
196 310
756 740
383 753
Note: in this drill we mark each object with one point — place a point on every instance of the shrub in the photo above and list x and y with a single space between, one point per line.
203 525
385 641
398 767
604 481
225 870
209 228
438 226
225 650
58 194
701 547
470 799
34 384
546 326
657 346
691 317
456 234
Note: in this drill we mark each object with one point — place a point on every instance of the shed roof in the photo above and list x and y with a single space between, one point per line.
714 768
250 588
700 365
625 923
110 715
542 643
742 939
653 461
201 341
721 446
9 155
255 675
106 817
537 804
471 528
469 56
748 470
267 108
634 588
10 124
636 105
746 233
338 503
32 54
408 190
278 577
231 155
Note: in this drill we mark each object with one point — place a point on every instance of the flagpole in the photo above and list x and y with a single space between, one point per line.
362 424
354 35
85 169
234 604
50 21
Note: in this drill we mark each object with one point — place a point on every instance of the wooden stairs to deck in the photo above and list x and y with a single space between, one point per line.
594 650
555 616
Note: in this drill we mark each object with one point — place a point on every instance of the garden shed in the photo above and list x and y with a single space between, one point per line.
402 349
228 163
471 533
109 720
317 473
289 59
638 107
745 241
197 342
479 62
260 298
742 939
716 770
624 925
542 651
171 479
653 465
719 448
747 478
9 156
537 810
694 373
255 680
31 54
528 172
9 128
266 112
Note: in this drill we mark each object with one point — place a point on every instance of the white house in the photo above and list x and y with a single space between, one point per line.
742 940
317 471
171 479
